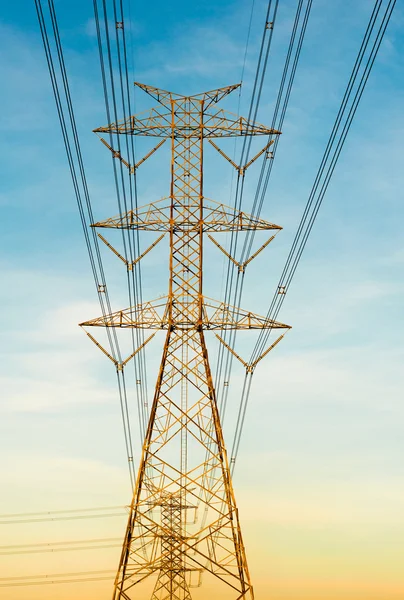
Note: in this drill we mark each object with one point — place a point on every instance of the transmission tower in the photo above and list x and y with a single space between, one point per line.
183 519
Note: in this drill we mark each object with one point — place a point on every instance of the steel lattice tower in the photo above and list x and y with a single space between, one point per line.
183 518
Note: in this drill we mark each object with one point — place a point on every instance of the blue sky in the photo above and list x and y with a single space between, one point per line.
321 458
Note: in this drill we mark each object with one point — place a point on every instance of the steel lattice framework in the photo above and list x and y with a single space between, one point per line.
183 518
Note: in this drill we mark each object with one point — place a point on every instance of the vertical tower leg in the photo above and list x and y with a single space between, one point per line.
183 522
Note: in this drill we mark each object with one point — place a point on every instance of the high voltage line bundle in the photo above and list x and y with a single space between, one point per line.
61 515
56 578
235 281
173 487
61 90
360 73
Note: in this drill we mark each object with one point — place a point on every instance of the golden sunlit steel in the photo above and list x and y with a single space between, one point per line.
183 532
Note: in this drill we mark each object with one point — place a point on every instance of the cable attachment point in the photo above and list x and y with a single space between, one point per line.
119 24
251 366
282 289
130 265
269 25
102 288
239 168
118 365
241 266
132 168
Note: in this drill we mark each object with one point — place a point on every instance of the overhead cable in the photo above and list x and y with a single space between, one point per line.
349 104
76 165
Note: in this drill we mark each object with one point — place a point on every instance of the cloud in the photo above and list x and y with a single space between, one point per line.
396 258
45 345
51 389
352 374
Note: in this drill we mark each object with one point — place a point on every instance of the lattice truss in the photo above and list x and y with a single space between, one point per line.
183 519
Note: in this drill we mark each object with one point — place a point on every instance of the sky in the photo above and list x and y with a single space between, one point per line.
319 480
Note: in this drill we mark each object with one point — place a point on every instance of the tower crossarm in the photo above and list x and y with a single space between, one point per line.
149 315
222 123
218 315
155 315
154 122
216 217
165 98
158 122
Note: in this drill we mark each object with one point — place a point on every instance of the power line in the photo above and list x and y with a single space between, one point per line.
281 105
120 375
66 543
59 512
136 272
342 125
130 238
347 110
57 550
55 578
49 582
76 165
72 518
224 359
288 75
287 80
